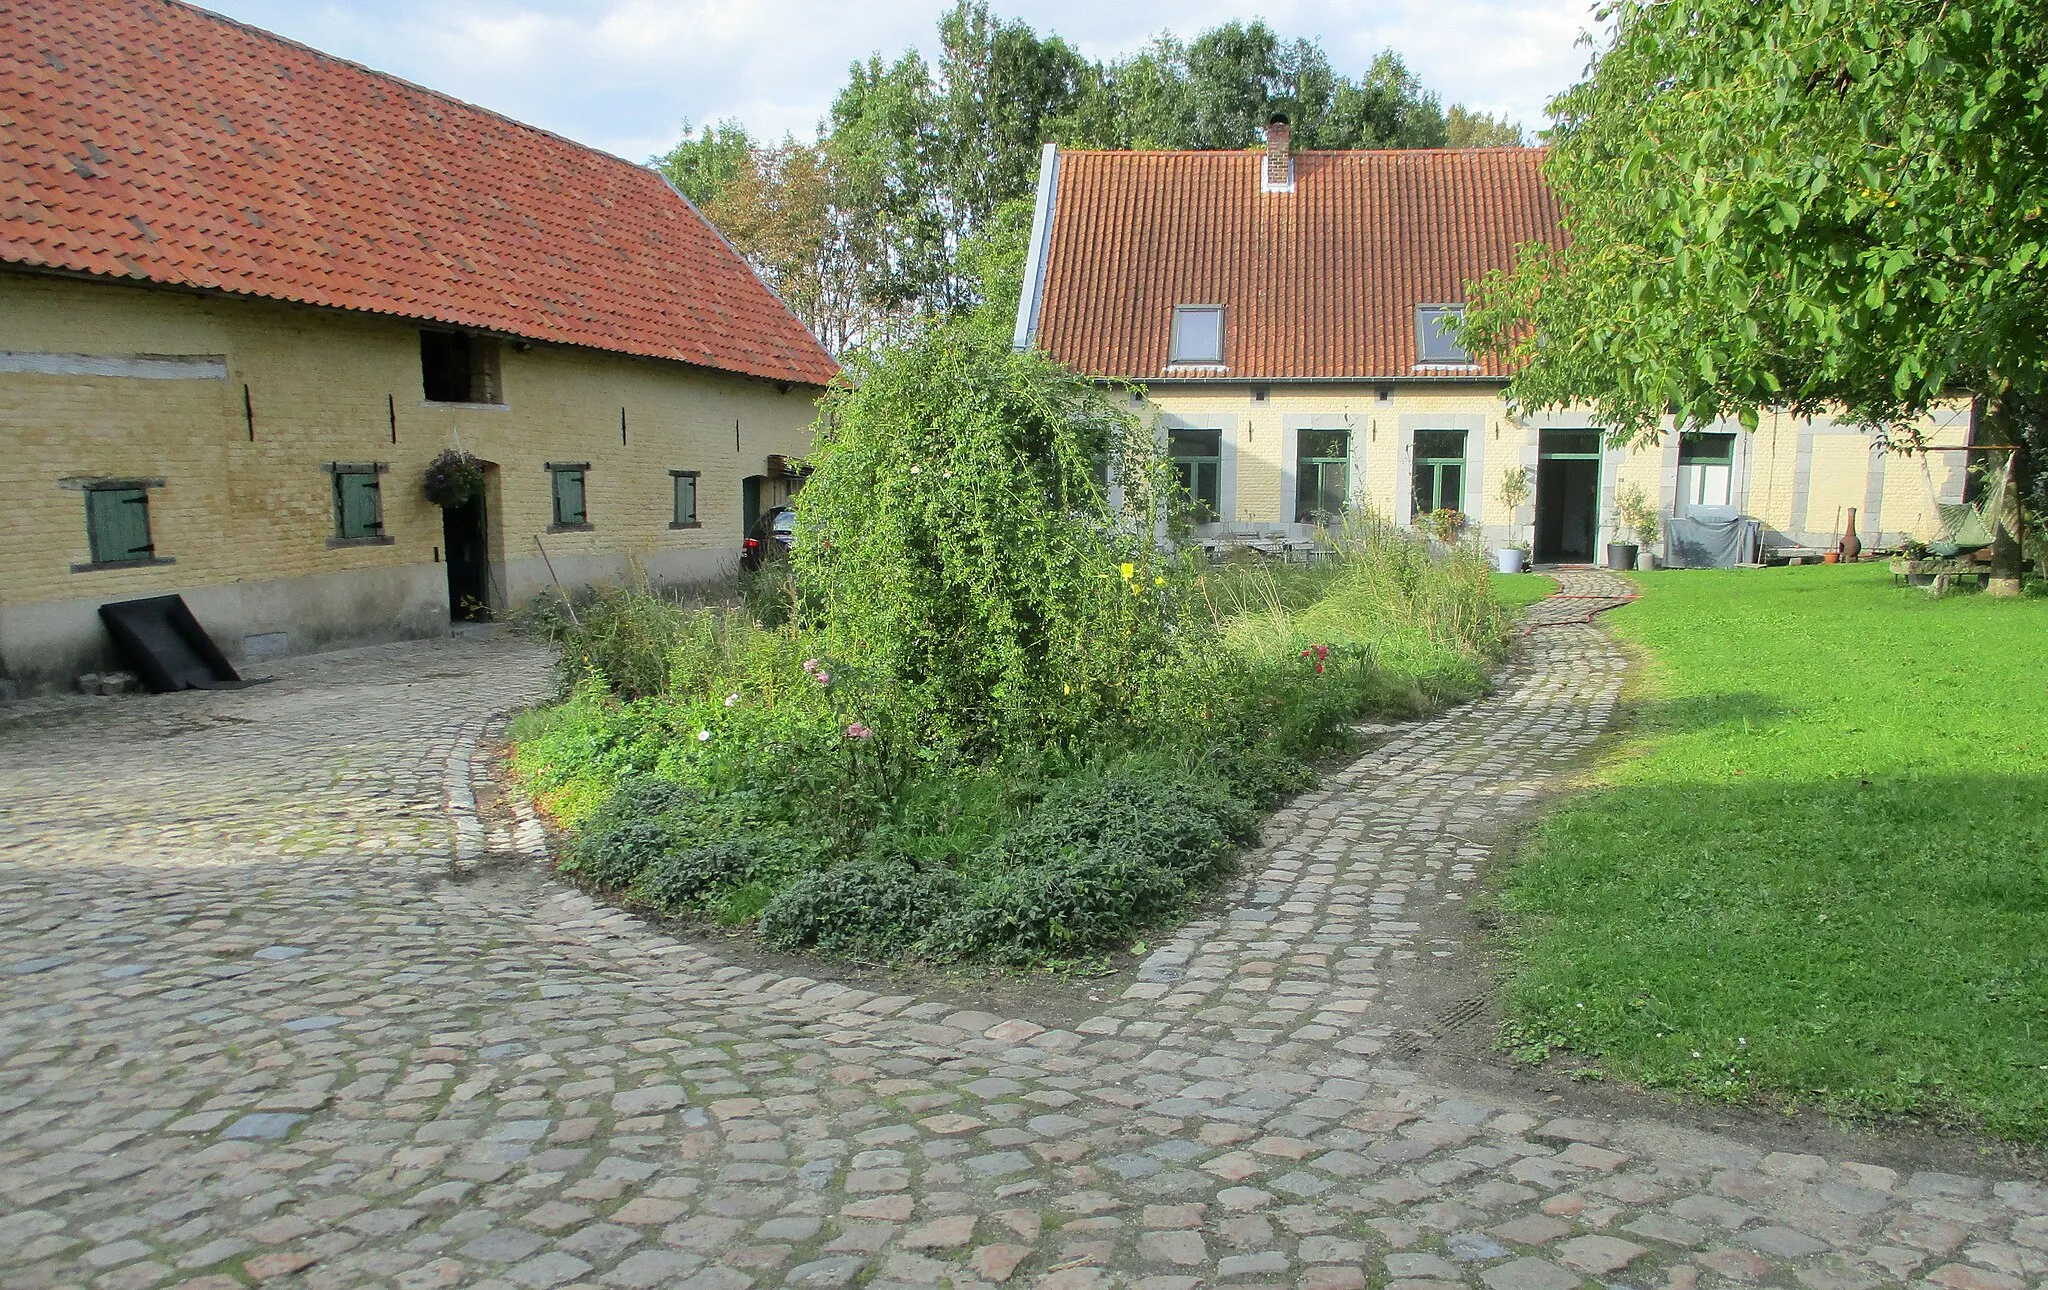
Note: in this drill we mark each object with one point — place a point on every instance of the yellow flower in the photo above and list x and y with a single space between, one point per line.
1127 569
1068 688
1158 581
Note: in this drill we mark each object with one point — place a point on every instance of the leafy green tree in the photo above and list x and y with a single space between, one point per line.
703 164
1465 128
1802 204
957 537
1388 108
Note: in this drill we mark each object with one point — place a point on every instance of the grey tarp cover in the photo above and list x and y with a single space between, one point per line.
1702 542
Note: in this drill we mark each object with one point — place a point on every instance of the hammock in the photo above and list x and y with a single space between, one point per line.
1963 530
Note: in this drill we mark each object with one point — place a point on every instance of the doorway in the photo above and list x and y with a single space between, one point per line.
1567 496
466 540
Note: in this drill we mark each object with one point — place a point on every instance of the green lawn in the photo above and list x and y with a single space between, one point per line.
1517 589
1818 873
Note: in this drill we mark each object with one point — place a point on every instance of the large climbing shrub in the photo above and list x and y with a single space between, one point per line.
961 536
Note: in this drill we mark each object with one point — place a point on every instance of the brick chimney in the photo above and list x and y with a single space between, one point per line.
1278 174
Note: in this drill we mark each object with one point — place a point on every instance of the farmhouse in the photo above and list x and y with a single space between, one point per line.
249 291
1282 311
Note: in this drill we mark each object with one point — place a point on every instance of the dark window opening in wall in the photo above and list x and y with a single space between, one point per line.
117 524
1434 341
1198 465
459 368
567 484
1322 489
1439 471
686 499
358 504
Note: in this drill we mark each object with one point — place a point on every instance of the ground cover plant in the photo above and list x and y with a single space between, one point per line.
1819 873
992 717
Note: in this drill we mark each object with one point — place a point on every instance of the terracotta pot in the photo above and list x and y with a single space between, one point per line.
1832 557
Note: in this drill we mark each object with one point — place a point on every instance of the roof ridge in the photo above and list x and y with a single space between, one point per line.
266 34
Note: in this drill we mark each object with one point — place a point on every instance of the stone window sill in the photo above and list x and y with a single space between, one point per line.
122 564
380 540
572 528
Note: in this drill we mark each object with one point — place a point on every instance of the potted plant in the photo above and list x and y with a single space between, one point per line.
1634 515
1513 491
453 478
1444 524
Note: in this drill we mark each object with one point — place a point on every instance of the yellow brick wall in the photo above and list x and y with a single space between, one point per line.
1839 473
323 386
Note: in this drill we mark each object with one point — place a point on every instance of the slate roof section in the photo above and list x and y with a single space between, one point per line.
1317 284
150 141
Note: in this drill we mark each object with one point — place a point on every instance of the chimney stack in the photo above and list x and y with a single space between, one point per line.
1278 175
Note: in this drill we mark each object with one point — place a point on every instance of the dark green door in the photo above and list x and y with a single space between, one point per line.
750 505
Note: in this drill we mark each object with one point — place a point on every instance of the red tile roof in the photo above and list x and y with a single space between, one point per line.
1319 283
150 141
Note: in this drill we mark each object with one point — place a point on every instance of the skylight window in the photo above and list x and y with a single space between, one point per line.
1434 342
1197 334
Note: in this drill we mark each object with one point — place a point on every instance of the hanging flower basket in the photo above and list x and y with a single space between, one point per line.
453 478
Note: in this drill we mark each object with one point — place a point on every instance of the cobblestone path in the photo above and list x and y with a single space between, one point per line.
275 1007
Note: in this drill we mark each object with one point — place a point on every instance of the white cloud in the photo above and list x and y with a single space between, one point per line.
623 74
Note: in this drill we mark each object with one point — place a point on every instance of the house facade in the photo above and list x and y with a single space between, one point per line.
1282 313
248 292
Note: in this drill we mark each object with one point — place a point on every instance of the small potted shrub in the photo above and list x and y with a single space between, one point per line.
1444 524
1634 515
1514 490
453 478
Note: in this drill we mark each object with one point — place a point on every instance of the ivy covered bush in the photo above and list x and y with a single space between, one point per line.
993 717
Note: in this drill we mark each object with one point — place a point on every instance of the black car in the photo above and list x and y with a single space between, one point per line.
773 533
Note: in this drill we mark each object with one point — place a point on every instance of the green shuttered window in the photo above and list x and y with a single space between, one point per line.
686 499
568 486
358 504
117 524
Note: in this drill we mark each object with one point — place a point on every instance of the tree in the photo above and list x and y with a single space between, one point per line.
1465 128
1804 204
703 164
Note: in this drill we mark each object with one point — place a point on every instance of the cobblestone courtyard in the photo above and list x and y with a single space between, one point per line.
277 1006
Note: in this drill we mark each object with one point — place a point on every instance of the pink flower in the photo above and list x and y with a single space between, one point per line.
859 731
822 677
810 665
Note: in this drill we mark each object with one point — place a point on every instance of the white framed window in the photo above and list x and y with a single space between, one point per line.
1434 342
1197 334
1706 472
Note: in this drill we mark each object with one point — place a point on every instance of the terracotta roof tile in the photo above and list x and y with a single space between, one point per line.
149 140
1319 283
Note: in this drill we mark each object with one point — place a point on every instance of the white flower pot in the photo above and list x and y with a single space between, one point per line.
1508 559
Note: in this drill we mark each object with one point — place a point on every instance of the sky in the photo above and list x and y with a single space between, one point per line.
623 75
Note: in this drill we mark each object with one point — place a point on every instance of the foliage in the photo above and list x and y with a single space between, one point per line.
453 477
1514 487
867 908
1819 881
1444 524
888 216
1637 513
714 767
1807 204
637 825
956 538
701 165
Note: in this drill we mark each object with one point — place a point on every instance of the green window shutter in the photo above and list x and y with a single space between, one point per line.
358 507
686 499
569 497
117 524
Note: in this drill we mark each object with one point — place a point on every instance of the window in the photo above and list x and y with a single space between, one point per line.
117 523
358 504
1433 342
1197 334
567 482
1439 471
686 499
1706 469
1198 465
1322 487
459 368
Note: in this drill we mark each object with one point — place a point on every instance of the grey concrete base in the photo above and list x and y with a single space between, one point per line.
44 647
